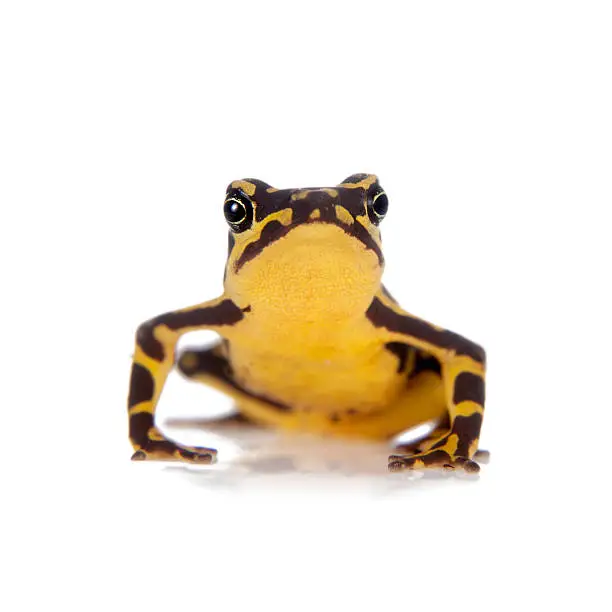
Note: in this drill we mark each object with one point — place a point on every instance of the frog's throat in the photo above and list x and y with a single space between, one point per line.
275 230
316 272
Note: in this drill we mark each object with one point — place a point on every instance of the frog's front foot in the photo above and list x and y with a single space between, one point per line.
169 451
432 459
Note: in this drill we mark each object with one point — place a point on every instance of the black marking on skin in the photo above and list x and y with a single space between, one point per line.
438 457
142 386
207 362
426 363
469 387
224 313
355 178
361 233
267 203
400 350
381 316
149 344
140 423
270 233
467 429
316 199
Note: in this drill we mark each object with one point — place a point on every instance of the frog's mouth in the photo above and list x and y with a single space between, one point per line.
275 230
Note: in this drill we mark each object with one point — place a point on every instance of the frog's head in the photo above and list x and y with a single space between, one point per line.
316 248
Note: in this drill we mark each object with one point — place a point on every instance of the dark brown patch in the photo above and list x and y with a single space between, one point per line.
440 443
426 363
270 233
381 316
432 458
467 429
361 233
315 200
400 350
469 387
207 362
267 203
224 313
149 344
437 457
354 179
140 423
142 386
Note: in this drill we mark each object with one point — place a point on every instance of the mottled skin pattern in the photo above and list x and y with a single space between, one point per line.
310 339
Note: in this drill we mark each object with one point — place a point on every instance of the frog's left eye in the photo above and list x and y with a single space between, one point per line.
377 207
238 211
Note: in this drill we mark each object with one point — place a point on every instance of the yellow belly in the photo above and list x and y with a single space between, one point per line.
322 370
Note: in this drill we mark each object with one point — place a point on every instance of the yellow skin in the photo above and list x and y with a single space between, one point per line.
310 339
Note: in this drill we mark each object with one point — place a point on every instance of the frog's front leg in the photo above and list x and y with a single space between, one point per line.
463 371
153 359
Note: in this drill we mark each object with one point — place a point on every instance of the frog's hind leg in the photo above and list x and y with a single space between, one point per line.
211 367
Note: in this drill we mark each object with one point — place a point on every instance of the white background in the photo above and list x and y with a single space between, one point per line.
489 125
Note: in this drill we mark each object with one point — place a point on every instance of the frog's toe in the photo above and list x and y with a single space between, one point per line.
197 455
432 459
174 452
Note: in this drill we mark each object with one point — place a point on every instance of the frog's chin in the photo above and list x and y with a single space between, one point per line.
315 271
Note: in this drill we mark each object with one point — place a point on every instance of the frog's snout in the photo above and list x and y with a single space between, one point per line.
315 205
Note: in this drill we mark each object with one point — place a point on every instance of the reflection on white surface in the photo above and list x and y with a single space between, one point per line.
255 456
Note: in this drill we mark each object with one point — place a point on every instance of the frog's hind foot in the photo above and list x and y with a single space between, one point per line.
151 445
175 452
432 452
437 458
432 459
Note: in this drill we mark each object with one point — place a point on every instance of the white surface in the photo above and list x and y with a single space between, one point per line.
121 123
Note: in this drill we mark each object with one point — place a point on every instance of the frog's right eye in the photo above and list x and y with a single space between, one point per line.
238 211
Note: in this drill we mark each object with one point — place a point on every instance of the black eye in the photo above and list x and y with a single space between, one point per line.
238 212
377 207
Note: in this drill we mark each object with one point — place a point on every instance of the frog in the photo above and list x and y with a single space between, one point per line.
310 340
